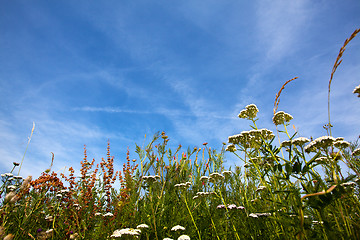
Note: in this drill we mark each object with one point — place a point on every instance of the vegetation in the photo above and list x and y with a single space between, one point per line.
292 190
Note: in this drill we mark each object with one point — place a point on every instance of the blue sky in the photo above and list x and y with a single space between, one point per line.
91 71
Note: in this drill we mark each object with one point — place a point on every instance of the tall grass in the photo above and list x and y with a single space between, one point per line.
291 190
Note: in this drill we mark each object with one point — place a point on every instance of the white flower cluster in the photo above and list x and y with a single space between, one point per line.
357 90
177 227
203 194
142 226
341 144
281 117
126 231
356 152
214 177
321 142
230 148
183 185
184 237
257 215
230 206
300 141
204 178
227 173
252 138
151 179
249 112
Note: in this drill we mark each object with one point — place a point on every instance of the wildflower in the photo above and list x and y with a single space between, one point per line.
227 173
18 177
142 226
204 178
59 195
126 231
341 144
357 90
108 215
249 112
11 187
168 239
321 142
177 227
150 179
16 164
356 152
183 185
184 237
286 143
351 184
257 215
9 174
203 194
321 159
232 206
281 117
97 214
300 141
214 177
230 148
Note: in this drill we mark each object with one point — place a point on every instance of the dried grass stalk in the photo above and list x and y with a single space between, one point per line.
277 98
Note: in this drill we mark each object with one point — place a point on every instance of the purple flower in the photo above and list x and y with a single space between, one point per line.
39 230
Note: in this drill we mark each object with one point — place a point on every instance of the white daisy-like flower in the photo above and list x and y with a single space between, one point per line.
177 227
184 237
142 226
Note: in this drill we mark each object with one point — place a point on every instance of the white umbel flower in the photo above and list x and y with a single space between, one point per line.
177 227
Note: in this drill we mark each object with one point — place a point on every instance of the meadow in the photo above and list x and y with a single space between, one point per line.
292 188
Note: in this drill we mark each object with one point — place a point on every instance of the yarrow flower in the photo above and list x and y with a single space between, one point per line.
177 227
126 231
230 206
249 112
357 90
341 144
184 237
150 179
183 185
108 214
214 177
227 173
251 139
203 194
281 117
142 226
300 141
356 152
320 143
257 215
230 148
